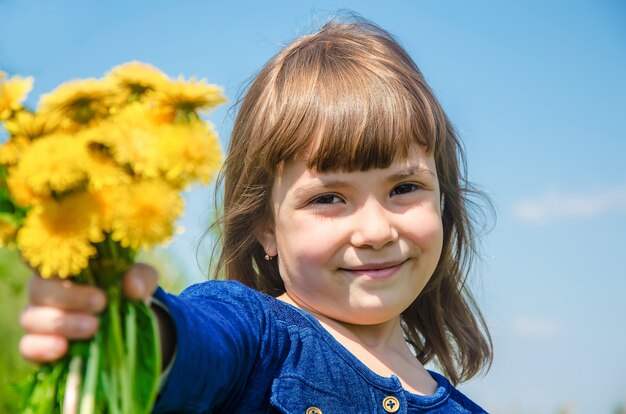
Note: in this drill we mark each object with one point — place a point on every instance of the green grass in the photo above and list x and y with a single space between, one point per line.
13 281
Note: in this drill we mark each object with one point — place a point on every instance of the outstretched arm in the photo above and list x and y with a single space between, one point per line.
219 329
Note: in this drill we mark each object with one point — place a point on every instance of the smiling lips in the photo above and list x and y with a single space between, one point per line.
375 270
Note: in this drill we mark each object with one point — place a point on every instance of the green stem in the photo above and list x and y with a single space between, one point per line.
112 249
120 366
110 392
72 385
131 349
89 276
88 397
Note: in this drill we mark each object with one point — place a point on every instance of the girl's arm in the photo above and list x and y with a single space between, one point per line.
60 310
220 327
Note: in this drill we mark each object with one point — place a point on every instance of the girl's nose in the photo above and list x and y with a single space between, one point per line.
373 226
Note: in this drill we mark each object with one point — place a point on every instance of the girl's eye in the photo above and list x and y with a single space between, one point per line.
405 188
327 199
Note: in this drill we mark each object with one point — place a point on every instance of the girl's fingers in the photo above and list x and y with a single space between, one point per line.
41 320
61 310
43 348
64 294
140 281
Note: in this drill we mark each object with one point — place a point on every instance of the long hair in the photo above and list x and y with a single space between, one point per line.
354 92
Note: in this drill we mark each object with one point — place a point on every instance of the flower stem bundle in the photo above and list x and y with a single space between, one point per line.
88 179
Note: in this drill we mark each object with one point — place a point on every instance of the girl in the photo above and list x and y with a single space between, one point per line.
346 236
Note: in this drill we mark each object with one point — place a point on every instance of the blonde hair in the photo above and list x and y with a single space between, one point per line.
351 89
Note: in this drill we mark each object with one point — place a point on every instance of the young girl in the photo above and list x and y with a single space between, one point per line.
346 242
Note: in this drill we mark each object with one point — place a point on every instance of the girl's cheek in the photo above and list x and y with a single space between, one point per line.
310 241
429 229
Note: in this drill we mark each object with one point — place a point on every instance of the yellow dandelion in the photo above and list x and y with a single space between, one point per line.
55 163
13 92
21 191
146 213
32 125
8 229
101 168
106 199
191 153
135 79
57 236
80 101
180 99
12 149
132 139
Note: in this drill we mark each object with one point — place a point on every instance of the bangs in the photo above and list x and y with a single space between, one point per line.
365 123
340 109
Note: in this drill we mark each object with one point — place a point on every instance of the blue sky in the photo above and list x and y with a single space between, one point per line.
537 91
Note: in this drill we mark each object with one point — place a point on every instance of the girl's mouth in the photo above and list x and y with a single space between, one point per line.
375 270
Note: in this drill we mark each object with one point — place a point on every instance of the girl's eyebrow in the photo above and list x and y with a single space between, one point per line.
411 171
320 184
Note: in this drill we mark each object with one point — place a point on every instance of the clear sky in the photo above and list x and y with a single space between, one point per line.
537 90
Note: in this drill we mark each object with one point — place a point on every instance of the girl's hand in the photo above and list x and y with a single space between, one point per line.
61 310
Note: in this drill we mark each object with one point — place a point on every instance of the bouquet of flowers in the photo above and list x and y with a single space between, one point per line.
87 180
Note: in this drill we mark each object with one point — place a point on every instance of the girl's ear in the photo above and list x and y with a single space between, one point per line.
267 238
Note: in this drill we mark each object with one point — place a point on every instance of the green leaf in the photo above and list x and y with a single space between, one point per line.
44 395
147 367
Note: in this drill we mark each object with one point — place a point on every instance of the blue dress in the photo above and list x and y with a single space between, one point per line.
241 351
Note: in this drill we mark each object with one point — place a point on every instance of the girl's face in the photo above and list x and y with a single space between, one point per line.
357 247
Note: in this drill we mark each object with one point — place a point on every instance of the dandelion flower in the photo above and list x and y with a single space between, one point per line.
106 199
146 214
23 128
191 152
57 236
13 92
55 163
32 125
132 139
179 100
11 150
81 101
101 168
8 229
135 79
21 191
103 171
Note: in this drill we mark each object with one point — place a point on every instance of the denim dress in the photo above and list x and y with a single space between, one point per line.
241 351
